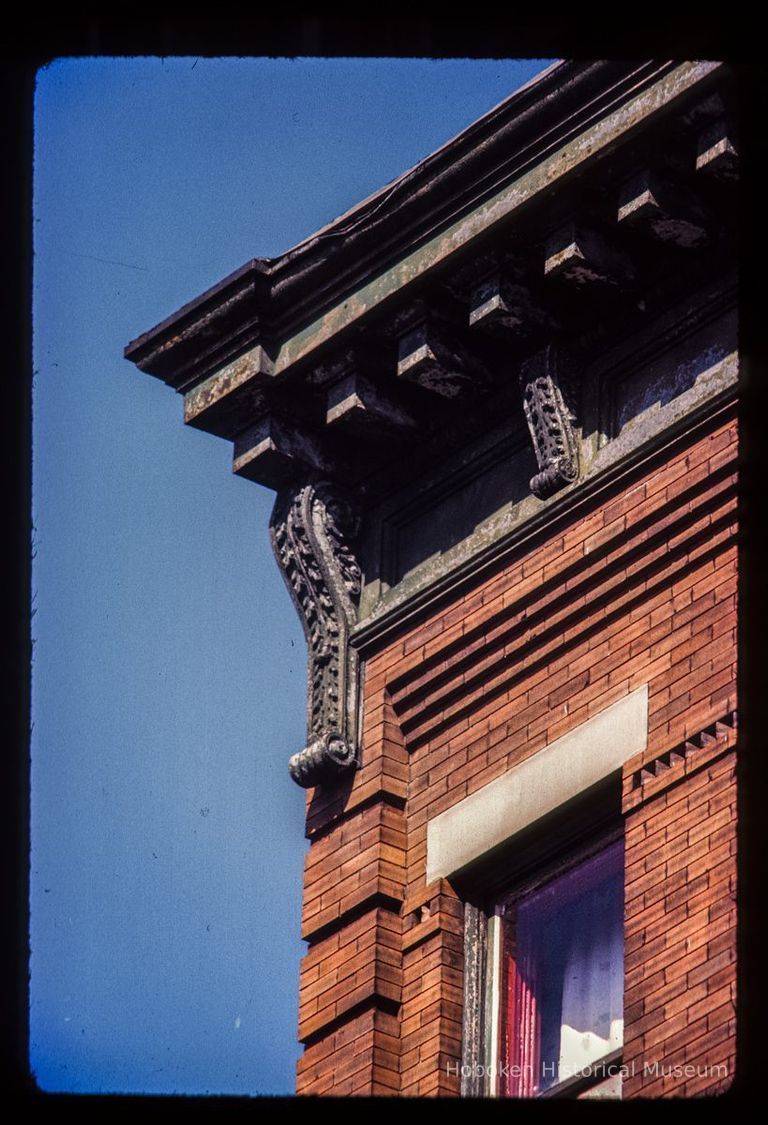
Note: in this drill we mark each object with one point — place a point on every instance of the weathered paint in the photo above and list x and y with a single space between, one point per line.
569 156
516 520
229 378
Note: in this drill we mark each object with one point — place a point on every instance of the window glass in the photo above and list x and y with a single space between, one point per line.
562 975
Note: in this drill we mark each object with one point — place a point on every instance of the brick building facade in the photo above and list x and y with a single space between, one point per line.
497 402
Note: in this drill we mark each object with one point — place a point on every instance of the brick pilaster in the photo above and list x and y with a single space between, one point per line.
351 978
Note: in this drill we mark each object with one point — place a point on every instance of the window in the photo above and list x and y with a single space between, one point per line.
537 857
544 959
558 972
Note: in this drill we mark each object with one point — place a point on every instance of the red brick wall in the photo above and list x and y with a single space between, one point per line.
680 919
638 589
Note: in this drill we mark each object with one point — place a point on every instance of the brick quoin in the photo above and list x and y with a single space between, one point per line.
497 403
510 680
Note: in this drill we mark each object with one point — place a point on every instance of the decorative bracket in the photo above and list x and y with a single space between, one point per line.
431 355
311 530
550 423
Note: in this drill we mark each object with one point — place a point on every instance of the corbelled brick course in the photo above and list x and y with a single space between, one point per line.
639 590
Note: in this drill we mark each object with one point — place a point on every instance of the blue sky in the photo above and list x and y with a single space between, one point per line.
168 680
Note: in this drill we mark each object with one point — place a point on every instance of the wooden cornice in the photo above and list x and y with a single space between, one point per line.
555 211
294 285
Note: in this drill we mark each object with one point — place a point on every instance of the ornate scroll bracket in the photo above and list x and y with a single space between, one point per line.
550 423
311 531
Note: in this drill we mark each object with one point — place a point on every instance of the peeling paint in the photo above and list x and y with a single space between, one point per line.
254 363
574 153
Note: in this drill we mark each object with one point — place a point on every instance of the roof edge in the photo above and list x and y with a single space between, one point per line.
279 294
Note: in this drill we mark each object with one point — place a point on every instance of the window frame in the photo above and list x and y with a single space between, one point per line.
544 851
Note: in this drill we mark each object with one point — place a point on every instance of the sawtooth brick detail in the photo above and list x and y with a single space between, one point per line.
640 590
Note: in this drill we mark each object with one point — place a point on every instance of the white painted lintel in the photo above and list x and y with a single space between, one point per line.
537 786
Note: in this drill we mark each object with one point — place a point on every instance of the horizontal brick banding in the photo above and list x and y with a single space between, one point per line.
360 961
641 589
680 950
650 506
433 981
359 1057
537 628
361 859
354 887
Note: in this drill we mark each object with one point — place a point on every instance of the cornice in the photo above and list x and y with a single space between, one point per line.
297 393
269 299
477 289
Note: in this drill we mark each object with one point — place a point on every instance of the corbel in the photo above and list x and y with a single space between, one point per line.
431 354
580 256
312 530
717 151
504 307
550 422
274 451
356 405
650 203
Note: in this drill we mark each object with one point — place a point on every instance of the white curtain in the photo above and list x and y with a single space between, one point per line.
591 1021
564 956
